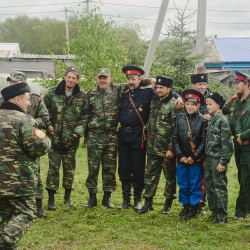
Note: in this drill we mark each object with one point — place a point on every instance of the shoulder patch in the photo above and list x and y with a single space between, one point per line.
39 134
233 97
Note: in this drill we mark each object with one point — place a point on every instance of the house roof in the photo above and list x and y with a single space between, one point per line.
36 56
8 50
234 49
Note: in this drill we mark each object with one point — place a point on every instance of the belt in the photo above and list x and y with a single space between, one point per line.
129 129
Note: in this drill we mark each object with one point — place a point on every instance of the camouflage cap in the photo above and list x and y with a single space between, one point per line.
16 76
104 72
74 70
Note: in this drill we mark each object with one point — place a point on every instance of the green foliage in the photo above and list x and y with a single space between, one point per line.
78 228
176 51
97 45
37 36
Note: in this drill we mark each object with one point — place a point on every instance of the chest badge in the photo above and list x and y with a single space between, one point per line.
140 109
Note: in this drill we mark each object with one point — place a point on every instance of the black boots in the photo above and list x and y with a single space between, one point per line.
39 209
194 211
106 200
51 203
5 246
167 206
126 193
185 210
92 201
148 206
137 199
67 197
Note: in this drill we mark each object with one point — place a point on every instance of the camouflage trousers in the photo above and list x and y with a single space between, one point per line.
102 149
39 188
216 188
155 164
16 215
68 160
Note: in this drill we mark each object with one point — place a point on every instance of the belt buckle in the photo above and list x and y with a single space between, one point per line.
128 129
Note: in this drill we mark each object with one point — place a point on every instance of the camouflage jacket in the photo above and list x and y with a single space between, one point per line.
218 142
243 128
233 109
160 125
20 145
37 110
103 108
67 116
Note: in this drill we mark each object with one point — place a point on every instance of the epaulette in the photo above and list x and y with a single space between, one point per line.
233 97
146 87
92 91
37 94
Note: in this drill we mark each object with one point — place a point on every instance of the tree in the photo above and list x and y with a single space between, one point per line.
176 52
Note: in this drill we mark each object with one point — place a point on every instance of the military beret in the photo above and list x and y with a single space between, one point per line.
74 70
15 90
192 95
16 76
199 78
217 98
240 76
131 71
104 72
164 81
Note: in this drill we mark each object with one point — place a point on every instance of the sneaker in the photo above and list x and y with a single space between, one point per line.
238 217
220 221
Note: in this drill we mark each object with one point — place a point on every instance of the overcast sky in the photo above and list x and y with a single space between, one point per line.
225 18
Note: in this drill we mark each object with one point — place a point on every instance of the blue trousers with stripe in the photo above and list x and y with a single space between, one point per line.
189 182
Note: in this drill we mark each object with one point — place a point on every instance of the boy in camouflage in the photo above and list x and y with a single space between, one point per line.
218 151
160 150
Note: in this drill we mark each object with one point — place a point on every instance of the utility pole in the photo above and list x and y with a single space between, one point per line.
87 7
155 37
67 28
201 28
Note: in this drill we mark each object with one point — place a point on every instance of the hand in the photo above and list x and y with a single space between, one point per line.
152 81
50 129
75 135
221 168
183 159
190 160
169 154
179 104
238 139
207 117
85 143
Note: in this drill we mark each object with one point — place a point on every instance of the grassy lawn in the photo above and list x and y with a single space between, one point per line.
101 228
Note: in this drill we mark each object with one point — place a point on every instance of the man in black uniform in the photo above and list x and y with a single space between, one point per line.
134 114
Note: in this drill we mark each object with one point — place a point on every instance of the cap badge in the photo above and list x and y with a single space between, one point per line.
159 80
128 72
202 77
73 68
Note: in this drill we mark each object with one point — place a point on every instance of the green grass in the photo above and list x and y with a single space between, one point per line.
100 228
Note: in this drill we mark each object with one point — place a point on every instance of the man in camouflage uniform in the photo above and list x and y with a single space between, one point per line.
160 150
65 104
218 151
39 112
242 131
101 137
233 109
20 145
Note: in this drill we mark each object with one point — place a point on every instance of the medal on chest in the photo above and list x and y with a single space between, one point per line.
140 109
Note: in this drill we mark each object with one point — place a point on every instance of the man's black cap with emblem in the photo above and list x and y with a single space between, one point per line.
217 98
131 71
164 81
192 95
15 90
199 78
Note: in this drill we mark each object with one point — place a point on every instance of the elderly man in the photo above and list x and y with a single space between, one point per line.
20 145
39 112
67 124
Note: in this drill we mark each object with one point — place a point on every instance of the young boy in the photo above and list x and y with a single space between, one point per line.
218 151
189 138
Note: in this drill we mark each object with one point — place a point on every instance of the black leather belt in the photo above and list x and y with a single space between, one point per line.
129 129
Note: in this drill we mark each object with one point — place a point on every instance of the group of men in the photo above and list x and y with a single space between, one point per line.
67 114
